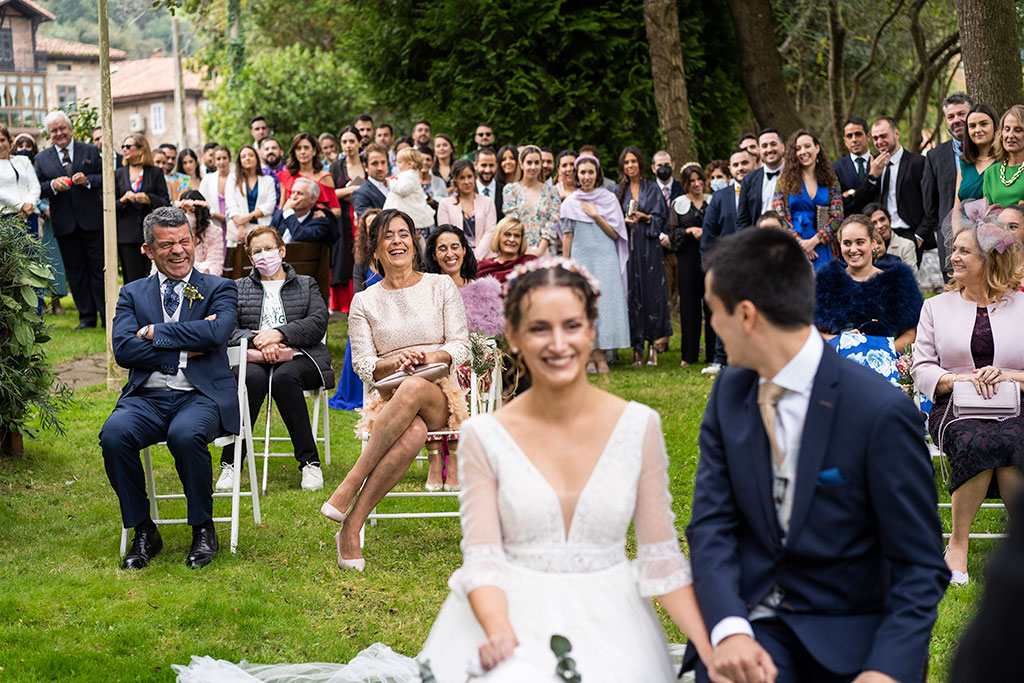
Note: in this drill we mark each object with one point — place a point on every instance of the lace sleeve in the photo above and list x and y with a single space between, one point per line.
483 557
660 566
456 331
364 353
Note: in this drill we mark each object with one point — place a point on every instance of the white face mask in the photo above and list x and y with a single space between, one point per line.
718 184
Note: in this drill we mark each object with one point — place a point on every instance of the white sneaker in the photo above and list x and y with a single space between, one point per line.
312 478
227 478
712 369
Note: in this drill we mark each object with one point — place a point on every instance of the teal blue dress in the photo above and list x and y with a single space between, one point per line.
971 182
804 213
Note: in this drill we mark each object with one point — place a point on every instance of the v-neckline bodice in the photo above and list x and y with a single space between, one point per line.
568 525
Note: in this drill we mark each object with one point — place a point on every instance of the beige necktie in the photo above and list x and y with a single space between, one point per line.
768 396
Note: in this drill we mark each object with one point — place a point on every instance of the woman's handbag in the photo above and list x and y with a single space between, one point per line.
285 353
429 371
967 404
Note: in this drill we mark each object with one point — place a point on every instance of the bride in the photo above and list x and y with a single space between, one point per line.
550 484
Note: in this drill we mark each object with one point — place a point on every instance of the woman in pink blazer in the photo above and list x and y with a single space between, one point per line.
466 209
972 333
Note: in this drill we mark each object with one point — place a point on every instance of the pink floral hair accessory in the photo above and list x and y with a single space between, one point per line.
981 216
546 263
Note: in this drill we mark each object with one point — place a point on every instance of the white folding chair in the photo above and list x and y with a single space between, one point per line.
936 454
320 412
236 358
479 402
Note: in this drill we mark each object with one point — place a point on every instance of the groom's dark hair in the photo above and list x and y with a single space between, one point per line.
767 267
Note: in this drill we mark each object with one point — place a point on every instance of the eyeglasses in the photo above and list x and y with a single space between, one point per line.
128 146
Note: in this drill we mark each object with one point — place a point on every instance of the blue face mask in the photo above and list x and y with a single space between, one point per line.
718 184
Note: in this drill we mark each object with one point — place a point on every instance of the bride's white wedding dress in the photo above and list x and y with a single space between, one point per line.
572 579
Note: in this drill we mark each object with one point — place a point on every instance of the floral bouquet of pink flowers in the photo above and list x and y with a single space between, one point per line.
903 364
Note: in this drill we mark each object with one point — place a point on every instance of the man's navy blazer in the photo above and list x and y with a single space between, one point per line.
79 205
938 190
367 197
720 217
749 209
862 566
316 228
849 179
141 304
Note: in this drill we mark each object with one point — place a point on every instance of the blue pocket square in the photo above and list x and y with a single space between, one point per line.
831 477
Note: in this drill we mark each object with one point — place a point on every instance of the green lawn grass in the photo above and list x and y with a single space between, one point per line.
68 613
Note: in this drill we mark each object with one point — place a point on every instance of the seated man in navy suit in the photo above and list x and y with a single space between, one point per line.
374 191
297 220
171 331
814 536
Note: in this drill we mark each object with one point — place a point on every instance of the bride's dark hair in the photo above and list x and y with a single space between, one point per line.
553 276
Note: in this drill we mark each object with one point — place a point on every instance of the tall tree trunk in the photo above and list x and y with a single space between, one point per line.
669 75
931 67
988 40
836 80
761 66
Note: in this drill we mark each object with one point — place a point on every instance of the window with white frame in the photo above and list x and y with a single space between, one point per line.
156 118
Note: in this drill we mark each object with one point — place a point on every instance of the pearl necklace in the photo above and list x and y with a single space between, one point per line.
1002 174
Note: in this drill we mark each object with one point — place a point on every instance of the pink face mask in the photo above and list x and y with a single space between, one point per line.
267 262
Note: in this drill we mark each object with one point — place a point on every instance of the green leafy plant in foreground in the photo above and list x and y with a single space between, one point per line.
28 390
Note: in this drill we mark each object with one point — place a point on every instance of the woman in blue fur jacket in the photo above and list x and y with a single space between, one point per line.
860 295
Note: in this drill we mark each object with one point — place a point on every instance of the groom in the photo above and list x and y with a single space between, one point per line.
171 330
814 536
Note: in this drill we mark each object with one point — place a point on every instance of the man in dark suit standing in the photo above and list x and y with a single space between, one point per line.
815 539
171 331
71 178
374 191
486 165
852 168
894 181
97 142
662 167
938 183
719 221
759 185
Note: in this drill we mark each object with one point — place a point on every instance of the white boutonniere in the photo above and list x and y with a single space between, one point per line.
192 294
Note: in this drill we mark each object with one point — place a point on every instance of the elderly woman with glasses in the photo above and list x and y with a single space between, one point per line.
283 316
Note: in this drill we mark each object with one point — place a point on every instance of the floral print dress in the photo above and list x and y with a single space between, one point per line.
539 222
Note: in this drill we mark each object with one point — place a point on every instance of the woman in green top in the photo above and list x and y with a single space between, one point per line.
978 152
1004 180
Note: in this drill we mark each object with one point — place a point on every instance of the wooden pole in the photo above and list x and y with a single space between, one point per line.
109 215
179 86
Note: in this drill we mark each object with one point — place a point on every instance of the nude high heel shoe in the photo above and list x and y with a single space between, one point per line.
332 513
359 563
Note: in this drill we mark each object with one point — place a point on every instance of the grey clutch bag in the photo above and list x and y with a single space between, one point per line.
429 371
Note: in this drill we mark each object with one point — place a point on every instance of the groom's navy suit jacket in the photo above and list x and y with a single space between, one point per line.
862 565
141 304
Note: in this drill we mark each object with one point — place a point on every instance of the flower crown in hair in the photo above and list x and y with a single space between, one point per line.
546 263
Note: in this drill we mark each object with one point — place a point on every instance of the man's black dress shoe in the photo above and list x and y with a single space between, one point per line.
146 544
85 325
204 547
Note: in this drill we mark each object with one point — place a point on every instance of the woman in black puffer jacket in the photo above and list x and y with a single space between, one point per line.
283 316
